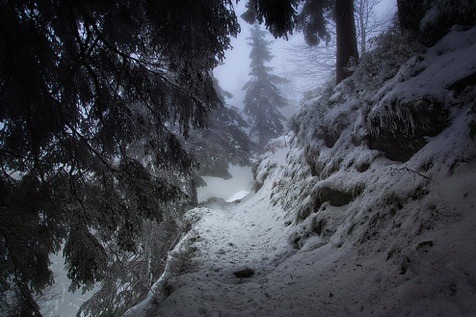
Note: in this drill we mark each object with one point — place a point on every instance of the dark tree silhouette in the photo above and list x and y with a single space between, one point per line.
88 91
346 38
410 12
263 99
223 142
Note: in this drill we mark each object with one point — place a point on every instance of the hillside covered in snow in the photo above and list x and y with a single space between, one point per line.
365 208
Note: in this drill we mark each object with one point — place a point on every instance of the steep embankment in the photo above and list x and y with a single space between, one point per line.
366 208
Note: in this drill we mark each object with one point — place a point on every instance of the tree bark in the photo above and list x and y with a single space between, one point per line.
410 13
346 38
362 13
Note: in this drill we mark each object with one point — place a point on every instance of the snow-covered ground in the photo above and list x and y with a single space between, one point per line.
241 180
58 301
322 277
224 238
337 228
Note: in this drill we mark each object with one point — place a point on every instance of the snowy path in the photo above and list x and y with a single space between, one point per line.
226 238
229 238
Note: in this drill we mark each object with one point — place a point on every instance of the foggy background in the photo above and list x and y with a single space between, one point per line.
289 61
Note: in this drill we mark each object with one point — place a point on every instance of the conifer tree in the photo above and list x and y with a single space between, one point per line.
88 93
225 141
263 99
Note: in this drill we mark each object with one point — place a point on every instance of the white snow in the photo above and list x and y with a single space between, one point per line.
223 240
325 236
238 196
241 180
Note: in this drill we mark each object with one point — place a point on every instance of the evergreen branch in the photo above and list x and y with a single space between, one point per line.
146 65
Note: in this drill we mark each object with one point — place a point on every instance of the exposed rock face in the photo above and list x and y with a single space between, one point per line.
400 131
246 273
461 84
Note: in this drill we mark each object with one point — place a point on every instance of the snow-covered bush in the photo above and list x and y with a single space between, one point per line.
129 280
389 51
267 163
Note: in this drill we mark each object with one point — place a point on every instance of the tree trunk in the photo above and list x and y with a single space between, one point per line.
410 13
346 38
363 18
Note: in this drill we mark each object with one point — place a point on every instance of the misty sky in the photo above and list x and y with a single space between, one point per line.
233 74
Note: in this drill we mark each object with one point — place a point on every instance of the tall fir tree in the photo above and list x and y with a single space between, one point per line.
263 98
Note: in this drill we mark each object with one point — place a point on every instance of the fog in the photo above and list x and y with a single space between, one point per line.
233 73
241 181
